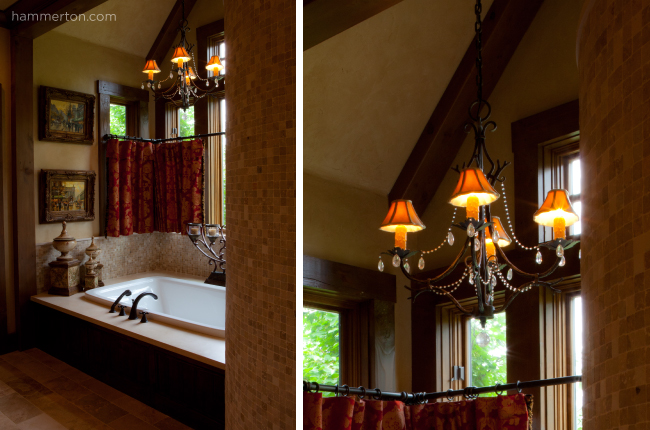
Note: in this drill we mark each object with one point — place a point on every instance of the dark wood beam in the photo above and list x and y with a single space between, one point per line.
169 30
503 28
22 192
3 274
27 18
347 281
323 19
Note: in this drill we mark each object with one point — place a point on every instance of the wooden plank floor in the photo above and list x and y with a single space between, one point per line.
40 392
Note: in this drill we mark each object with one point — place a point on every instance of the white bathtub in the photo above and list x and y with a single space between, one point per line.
188 304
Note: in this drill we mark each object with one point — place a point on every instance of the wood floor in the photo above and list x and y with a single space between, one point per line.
40 392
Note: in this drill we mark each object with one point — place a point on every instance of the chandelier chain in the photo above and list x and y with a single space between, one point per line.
453 284
512 230
446 239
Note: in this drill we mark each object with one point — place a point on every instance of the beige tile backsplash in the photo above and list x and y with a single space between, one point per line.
127 255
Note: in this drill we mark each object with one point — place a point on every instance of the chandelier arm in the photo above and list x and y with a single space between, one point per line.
444 274
526 274
456 303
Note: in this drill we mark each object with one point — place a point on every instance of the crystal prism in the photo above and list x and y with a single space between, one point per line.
509 275
471 231
421 263
471 279
559 251
580 253
450 238
380 265
496 237
477 245
482 339
493 281
407 267
538 257
562 262
142 86
396 260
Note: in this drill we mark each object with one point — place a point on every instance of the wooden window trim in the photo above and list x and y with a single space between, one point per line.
136 101
358 295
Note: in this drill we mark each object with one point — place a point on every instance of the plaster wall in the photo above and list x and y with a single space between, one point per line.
83 65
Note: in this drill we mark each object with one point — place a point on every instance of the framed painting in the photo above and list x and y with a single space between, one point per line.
66 116
67 195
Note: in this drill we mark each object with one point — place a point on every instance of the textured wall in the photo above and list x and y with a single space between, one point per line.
128 255
614 66
261 211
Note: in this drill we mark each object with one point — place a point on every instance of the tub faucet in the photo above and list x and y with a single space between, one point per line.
134 309
125 293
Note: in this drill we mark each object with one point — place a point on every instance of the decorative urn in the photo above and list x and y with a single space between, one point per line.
64 243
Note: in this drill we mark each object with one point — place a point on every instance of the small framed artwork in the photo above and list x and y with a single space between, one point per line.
66 116
67 195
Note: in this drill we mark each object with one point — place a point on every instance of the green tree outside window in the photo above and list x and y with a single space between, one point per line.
186 120
489 362
320 337
118 119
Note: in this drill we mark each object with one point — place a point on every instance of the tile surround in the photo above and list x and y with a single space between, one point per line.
128 255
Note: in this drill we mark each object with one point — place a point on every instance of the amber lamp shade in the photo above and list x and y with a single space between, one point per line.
556 205
191 74
473 184
401 219
180 56
214 65
504 239
150 68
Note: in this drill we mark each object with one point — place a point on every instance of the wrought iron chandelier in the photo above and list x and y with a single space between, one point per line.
184 91
485 262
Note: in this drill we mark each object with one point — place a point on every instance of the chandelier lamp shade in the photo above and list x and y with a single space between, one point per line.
186 85
481 254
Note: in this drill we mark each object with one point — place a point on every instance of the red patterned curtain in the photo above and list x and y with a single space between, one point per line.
346 413
179 185
130 188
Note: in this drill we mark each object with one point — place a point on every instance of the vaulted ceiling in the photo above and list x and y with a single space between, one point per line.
369 90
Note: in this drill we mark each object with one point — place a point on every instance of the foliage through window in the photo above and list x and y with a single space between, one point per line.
118 119
488 363
321 346
186 122
572 175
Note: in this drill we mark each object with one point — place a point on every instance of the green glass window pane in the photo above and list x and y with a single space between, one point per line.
186 121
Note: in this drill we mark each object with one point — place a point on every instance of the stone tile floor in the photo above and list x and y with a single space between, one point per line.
40 392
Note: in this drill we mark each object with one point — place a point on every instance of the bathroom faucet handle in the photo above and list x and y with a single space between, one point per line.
122 313
144 317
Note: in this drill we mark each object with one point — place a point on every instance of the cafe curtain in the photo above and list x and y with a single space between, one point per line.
130 183
484 413
178 168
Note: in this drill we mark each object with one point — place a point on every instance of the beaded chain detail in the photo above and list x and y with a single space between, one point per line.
453 284
512 230
446 238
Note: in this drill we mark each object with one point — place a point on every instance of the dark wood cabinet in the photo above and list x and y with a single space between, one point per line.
185 389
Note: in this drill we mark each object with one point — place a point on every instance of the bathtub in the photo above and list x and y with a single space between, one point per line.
187 304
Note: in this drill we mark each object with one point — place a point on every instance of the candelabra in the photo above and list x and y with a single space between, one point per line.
207 235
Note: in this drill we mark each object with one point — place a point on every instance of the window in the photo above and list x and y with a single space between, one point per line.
321 339
576 360
118 119
488 360
186 122
571 167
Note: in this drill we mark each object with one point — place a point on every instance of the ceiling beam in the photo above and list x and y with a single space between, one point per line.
33 18
169 30
503 28
323 19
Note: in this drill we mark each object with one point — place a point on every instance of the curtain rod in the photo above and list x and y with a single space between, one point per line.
141 139
377 394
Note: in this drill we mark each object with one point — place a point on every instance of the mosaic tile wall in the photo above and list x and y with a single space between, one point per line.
261 205
614 67
129 255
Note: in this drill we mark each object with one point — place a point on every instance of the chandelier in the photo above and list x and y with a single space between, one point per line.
185 89
481 253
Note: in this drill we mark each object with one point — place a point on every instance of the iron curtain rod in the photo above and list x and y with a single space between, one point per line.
377 394
141 139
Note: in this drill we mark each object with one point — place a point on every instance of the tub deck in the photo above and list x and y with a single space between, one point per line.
201 347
